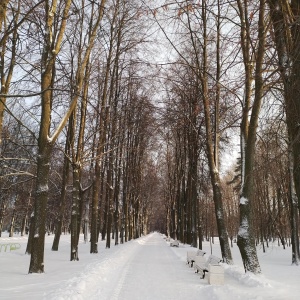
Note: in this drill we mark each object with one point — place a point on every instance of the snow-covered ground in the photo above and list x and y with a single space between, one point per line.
146 268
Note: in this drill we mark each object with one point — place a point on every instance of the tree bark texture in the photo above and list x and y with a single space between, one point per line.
293 214
40 209
75 214
284 17
6 65
63 193
211 149
246 239
3 8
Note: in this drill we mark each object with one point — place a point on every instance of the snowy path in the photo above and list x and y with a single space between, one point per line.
155 272
146 268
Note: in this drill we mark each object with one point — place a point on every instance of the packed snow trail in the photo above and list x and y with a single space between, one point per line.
146 268
155 272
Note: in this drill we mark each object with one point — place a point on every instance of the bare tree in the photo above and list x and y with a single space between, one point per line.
284 15
52 46
246 241
9 40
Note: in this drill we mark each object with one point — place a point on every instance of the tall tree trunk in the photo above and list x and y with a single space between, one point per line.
105 216
294 214
45 143
2 212
63 192
109 226
3 8
52 46
5 62
95 200
40 207
100 150
284 17
109 203
137 220
246 239
30 235
12 223
25 216
211 149
117 192
75 214
126 219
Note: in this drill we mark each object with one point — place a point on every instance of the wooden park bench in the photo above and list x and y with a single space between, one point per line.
190 256
212 267
174 243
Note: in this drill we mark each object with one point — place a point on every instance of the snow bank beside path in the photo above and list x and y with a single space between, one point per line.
279 280
99 279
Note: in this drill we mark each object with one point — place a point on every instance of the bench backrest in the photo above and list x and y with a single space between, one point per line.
213 260
200 260
200 253
192 254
